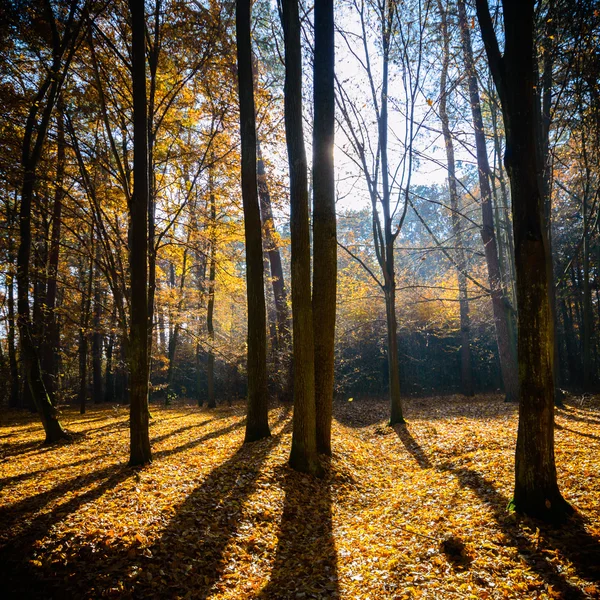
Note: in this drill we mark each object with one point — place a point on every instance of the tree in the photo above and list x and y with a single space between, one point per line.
139 451
536 488
36 129
500 304
324 222
257 422
303 455
461 264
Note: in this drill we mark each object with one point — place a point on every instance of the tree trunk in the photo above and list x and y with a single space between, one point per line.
257 421
500 304
324 222
86 300
140 452
210 306
282 326
14 400
536 488
465 321
51 346
303 455
98 393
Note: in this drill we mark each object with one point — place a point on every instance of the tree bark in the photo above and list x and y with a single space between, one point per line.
257 421
500 304
536 488
303 456
324 222
140 452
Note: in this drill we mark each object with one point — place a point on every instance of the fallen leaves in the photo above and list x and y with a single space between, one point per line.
418 511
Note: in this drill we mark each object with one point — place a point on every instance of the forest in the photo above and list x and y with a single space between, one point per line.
299 299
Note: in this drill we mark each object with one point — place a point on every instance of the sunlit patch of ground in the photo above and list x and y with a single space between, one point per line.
411 512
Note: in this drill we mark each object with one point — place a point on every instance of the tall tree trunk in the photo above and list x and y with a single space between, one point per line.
140 452
500 304
50 348
98 392
324 222
14 400
210 305
465 321
84 336
303 455
257 421
283 335
536 488
109 376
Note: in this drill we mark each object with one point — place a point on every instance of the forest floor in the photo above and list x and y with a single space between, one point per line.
412 512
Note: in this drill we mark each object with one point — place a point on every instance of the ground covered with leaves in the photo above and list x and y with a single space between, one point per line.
418 511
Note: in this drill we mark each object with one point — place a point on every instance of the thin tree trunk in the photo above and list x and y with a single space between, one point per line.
210 306
536 488
283 337
303 456
14 398
51 346
500 304
461 263
98 392
140 452
257 421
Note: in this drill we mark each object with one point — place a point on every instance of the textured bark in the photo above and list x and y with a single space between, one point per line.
140 452
536 488
500 304
303 456
465 321
257 421
324 222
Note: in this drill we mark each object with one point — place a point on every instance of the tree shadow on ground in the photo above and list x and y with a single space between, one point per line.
591 417
189 557
412 446
306 560
581 433
572 540
23 510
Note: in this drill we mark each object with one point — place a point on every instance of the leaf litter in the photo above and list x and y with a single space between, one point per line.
415 511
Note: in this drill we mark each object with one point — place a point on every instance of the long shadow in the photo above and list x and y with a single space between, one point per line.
30 474
20 579
194 532
413 447
575 543
23 448
10 515
306 560
567 413
581 433
191 553
579 547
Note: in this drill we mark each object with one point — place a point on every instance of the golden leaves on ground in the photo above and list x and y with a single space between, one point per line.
418 511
